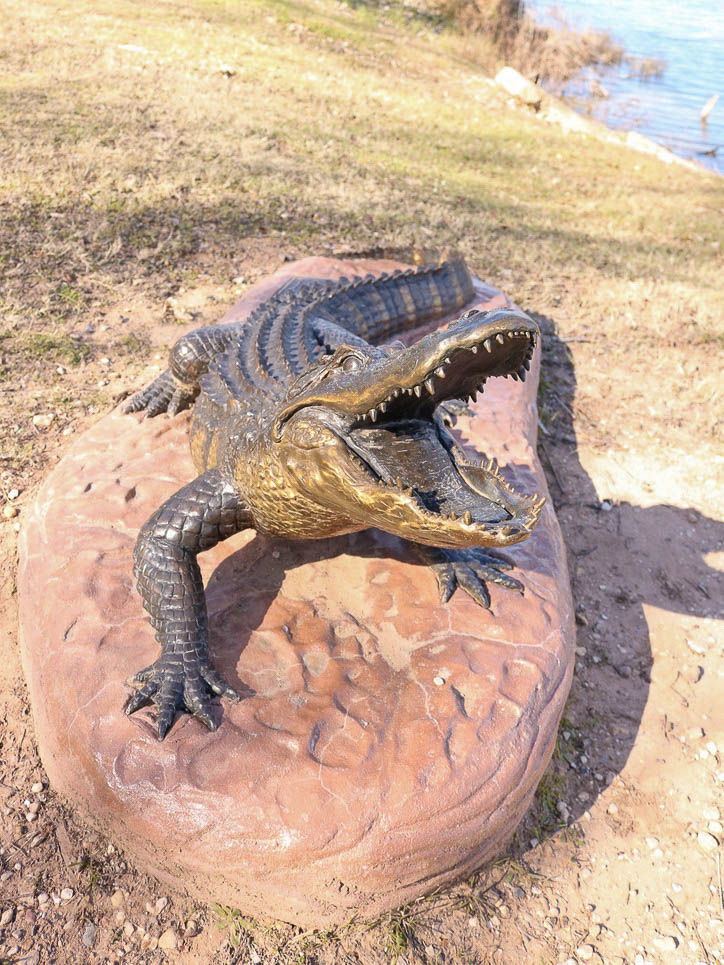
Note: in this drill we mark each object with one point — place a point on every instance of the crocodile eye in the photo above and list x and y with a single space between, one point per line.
351 364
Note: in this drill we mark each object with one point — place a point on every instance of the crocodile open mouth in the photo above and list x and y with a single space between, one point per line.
409 474
404 447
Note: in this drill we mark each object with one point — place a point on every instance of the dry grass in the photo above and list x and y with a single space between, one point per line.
144 147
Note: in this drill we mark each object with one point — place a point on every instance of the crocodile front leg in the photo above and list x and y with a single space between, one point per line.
194 519
470 569
176 388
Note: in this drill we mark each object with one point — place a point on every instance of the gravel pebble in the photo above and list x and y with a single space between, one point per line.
160 905
89 934
711 813
665 943
168 939
7 916
715 827
66 894
585 952
651 843
44 420
37 788
117 898
10 511
707 841
612 809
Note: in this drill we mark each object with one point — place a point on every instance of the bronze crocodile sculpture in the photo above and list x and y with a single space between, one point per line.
308 422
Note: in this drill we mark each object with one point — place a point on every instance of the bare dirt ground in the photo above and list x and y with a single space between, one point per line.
114 248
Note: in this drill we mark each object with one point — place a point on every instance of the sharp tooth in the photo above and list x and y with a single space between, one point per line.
511 334
474 396
418 391
488 345
396 393
452 516
467 517
373 414
521 375
398 483
506 531
440 371
430 385
474 349
408 491
514 376
500 338
526 365
382 407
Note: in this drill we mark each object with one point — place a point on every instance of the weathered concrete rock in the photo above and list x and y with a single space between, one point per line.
386 744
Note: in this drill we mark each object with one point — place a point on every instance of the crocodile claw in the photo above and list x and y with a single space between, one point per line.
471 569
179 682
164 394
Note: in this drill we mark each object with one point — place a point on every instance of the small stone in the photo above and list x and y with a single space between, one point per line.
34 807
192 928
89 935
44 420
715 827
43 898
585 952
117 898
13 494
60 369
168 939
66 894
36 788
7 916
160 905
254 957
665 943
676 886
710 813
105 361
128 928
563 810
711 747
438 681
612 808
696 734
652 843
10 511
707 841
695 648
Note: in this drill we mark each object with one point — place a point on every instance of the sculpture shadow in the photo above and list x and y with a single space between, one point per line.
622 557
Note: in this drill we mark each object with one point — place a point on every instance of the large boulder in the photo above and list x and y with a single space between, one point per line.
386 744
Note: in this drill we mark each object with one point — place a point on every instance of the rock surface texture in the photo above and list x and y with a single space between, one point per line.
385 745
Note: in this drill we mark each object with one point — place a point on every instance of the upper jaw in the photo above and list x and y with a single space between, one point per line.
450 363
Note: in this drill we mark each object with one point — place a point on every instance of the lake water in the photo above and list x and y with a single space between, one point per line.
688 35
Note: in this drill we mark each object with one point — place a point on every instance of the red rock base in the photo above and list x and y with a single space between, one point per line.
387 744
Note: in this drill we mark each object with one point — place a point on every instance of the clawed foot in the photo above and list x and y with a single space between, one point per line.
471 569
165 394
449 411
179 682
